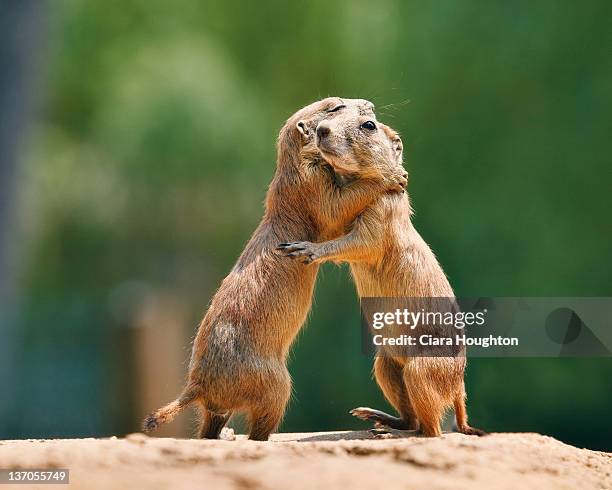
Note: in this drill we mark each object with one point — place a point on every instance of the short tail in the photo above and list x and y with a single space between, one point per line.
167 413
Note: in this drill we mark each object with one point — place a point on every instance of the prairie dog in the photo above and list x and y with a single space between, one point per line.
388 258
238 360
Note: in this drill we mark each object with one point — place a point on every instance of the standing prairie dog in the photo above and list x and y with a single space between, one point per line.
238 360
388 258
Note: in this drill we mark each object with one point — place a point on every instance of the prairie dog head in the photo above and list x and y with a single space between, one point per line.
298 142
354 143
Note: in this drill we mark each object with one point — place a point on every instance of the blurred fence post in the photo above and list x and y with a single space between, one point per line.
161 354
20 36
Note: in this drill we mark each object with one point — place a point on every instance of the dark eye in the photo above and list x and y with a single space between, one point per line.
369 125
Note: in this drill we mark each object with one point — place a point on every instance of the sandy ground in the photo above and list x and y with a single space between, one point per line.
345 460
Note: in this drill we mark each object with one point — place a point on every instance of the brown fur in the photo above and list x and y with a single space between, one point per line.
388 258
238 360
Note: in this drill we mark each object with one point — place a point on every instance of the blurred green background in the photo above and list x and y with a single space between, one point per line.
147 160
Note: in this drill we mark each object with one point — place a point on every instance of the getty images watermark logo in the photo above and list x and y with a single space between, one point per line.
487 327
412 319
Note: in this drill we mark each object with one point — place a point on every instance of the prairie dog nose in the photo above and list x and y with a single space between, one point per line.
323 130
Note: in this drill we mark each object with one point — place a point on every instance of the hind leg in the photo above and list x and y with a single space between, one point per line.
461 416
266 413
426 394
212 423
264 421
389 377
430 418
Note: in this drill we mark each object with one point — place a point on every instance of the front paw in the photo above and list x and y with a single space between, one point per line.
398 182
305 252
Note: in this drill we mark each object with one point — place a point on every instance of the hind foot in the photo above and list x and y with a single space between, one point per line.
472 431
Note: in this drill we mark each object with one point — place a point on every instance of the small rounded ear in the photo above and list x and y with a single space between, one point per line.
398 147
303 129
396 141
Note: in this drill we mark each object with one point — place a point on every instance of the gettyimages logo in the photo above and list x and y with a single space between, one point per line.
487 327
412 319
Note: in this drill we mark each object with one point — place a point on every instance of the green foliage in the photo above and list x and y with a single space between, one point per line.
156 144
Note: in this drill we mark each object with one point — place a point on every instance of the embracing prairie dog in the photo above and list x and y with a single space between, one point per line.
238 360
388 258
